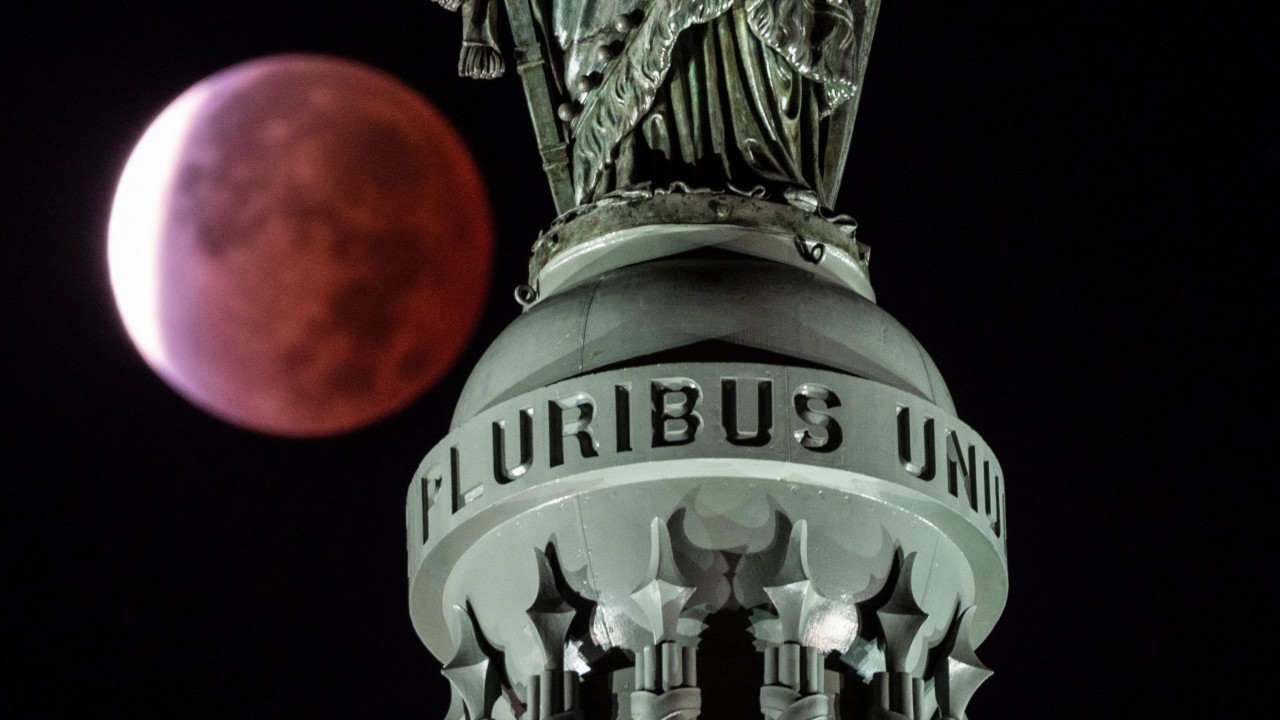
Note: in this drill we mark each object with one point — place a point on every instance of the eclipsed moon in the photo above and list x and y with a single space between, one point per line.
300 245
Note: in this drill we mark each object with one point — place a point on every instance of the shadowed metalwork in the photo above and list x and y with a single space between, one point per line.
701 475
719 93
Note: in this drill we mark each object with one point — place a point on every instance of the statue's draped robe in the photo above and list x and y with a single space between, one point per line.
716 91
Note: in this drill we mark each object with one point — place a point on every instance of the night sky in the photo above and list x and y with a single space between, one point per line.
1068 204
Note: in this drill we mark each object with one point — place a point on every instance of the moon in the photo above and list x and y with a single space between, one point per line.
300 245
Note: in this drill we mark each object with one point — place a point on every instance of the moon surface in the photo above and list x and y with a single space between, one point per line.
300 245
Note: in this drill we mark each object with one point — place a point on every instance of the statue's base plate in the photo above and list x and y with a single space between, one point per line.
640 227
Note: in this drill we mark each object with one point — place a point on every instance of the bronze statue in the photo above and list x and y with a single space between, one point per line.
723 94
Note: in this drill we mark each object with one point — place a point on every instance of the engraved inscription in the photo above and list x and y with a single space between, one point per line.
622 399
460 496
740 413
581 407
672 402
928 446
813 403
730 415
503 473
995 499
428 488
962 467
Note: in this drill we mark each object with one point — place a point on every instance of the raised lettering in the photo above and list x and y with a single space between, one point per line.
580 427
675 421
824 434
764 413
502 473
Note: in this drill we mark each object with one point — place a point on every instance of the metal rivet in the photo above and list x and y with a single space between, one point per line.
566 112
604 53
623 24
585 84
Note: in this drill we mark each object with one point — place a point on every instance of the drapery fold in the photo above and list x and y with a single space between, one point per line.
727 90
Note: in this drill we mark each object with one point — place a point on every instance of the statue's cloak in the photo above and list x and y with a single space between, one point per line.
739 84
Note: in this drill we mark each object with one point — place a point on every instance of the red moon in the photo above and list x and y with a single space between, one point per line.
300 245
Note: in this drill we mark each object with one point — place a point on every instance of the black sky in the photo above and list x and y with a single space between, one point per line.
1070 205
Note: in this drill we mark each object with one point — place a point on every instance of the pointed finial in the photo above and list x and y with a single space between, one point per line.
468 671
663 596
806 616
550 614
901 618
962 671
790 589
457 706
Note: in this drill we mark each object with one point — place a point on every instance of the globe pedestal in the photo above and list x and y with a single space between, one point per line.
703 451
